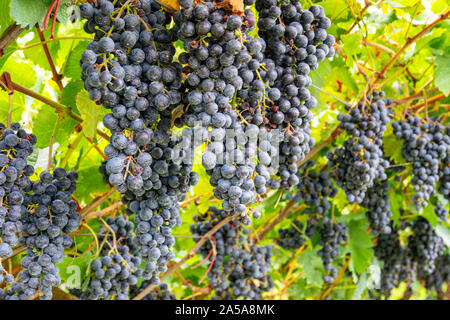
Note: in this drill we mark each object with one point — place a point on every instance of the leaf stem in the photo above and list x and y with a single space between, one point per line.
56 75
67 110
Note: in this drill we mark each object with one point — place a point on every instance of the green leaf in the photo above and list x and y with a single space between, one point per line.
312 267
21 73
5 19
396 202
442 73
69 93
44 124
428 213
89 111
90 180
27 13
360 246
439 6
443 232
72 268
392 146
73 69
352 44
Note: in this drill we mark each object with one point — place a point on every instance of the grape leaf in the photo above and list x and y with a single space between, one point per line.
89 111
428 213
233 5
73 69
360 245
312 267
69 93
443 232
44 124
21 73
352 44
72 268
392 146
27 13
169 5
88 177
442 73
5 19
396 202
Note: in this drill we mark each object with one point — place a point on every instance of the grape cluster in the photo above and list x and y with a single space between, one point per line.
292 238
115 270
159 169
49 214
239 269
217 51
421 255
377 202
315 189
441 274
15 147
426 145
332 235
444 176
37 215
296 41
444 169
426 246
295 36
232 178
397 260
359 163
129 68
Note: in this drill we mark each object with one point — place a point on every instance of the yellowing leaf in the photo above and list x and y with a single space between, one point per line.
169 5
89 111
233 5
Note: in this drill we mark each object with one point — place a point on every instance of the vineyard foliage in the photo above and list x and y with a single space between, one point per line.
388 53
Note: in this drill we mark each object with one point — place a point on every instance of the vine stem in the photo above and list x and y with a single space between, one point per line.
366 42
115 206
286 212
96 202
191 254
58 106
381 74
100 152
7 37
56 75
428 101
414 96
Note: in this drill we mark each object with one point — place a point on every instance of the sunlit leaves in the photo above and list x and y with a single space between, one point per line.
90 113
360 245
